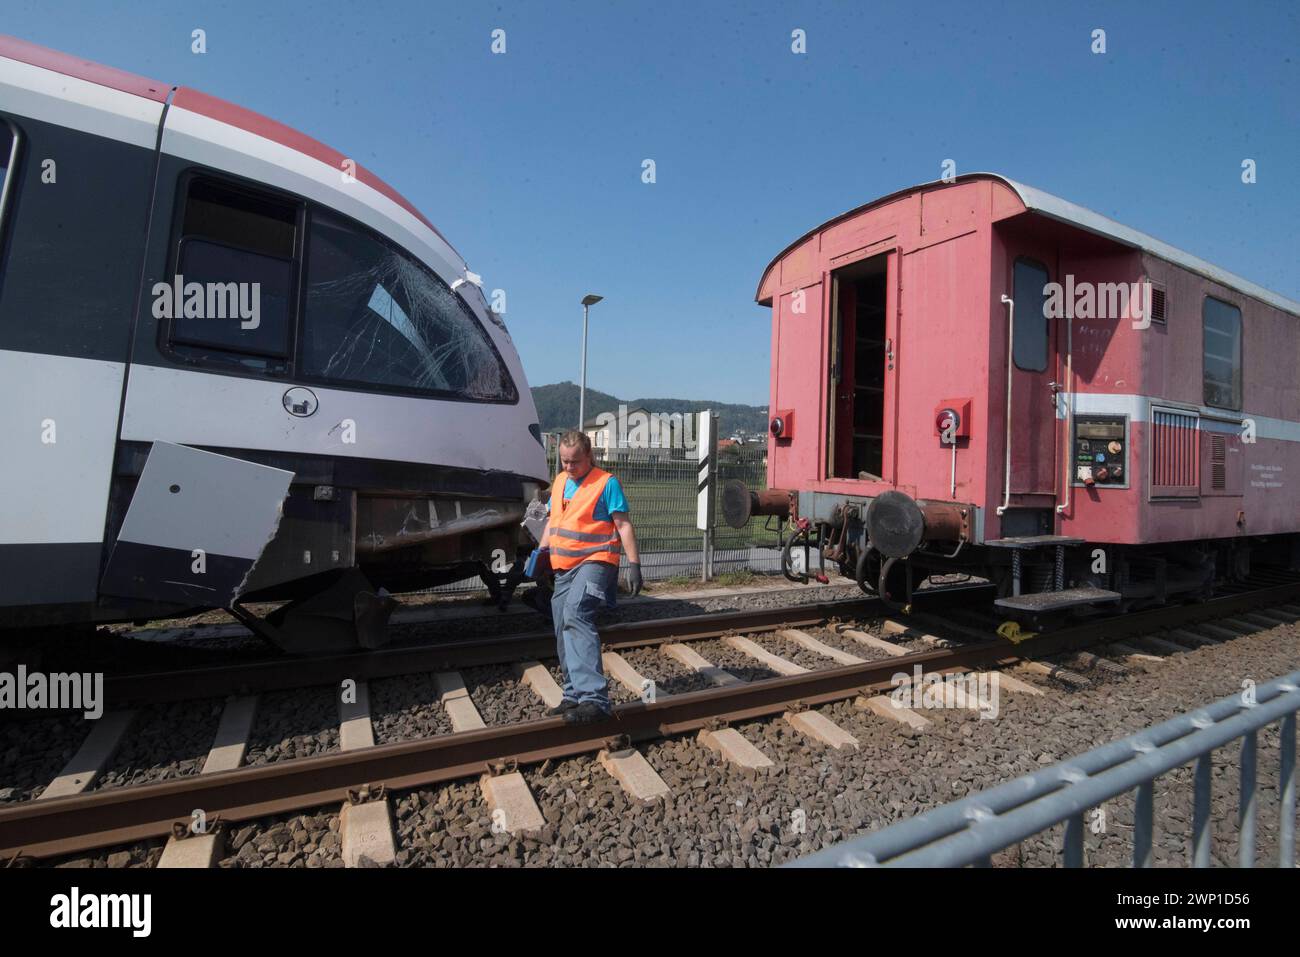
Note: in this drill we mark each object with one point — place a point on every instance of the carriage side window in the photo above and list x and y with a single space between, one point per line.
1222 352
375 316
1029 350
231 298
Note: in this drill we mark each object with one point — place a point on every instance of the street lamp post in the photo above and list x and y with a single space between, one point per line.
587 302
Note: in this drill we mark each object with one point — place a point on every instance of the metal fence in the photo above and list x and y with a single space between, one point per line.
971 830
661 489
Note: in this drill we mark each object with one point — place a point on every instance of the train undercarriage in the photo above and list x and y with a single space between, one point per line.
891 545
193 530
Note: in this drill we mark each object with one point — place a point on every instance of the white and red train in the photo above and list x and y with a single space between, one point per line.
234 365
978 376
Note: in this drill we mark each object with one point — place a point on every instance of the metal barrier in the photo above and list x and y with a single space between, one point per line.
661 490
969 831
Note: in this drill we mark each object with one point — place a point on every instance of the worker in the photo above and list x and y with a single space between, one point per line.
587 533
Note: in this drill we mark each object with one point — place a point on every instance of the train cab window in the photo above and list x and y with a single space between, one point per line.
233 289
1222 354
375 316
1029 350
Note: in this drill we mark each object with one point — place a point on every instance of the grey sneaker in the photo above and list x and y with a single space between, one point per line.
563 707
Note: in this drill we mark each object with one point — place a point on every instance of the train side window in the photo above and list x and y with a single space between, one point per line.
233 290
1222 353
375 316
1029 350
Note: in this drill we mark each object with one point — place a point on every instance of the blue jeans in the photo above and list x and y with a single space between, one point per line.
579 594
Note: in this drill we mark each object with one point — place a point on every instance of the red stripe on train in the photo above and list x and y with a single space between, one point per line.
14 49
227 112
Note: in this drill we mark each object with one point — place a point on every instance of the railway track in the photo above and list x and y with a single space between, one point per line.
360 776
273 674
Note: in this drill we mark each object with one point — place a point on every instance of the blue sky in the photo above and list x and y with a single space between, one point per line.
530 162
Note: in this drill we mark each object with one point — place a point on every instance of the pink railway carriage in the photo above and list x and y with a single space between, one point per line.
930 413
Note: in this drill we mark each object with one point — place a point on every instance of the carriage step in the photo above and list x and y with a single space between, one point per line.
1033 541
1045 601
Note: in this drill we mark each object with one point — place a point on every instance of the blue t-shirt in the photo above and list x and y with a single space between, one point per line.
611 499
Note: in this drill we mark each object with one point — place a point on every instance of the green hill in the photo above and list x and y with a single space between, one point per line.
557 408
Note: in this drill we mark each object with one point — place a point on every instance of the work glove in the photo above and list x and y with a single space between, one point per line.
634 578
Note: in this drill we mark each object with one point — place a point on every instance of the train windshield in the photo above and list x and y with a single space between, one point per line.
376 316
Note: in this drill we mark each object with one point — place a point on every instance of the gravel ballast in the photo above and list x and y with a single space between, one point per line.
33 752
501 698
721 816
405 708
165 741
294 724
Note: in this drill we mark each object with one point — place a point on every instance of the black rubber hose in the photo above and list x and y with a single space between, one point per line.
881 593
860 569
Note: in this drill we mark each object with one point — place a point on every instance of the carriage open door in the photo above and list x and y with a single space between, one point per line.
863 370
1030 483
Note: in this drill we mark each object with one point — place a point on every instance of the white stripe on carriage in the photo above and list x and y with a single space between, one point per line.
77 104
1138 409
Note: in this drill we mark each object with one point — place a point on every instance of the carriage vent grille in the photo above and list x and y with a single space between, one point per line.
1218 463
1175 453
1157 303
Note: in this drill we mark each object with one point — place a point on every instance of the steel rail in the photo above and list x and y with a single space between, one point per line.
120 815
284 673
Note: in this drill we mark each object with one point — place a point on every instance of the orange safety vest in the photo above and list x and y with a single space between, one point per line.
576 536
